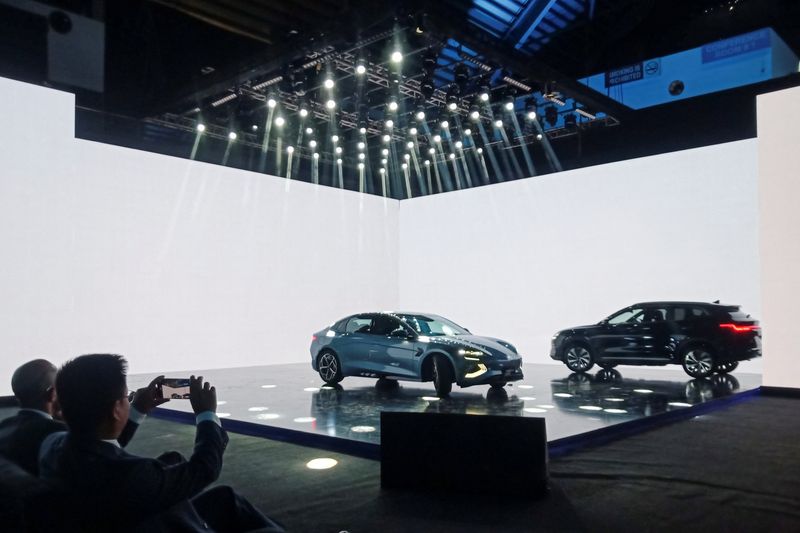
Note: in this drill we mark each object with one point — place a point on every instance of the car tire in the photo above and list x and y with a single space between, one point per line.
578 358
607 366
329 367
724 368
698 361
442 375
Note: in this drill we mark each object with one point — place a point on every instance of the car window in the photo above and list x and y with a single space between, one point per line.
437 327
654 314
630 316
358 325
385 325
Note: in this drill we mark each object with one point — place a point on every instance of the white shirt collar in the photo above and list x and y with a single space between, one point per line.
38 412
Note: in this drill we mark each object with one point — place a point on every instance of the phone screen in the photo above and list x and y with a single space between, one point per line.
175 388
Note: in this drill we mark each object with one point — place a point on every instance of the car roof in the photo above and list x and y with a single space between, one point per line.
706 304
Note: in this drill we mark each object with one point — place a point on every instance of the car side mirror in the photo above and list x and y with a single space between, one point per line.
401 334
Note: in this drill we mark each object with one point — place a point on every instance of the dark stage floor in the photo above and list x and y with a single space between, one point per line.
292 397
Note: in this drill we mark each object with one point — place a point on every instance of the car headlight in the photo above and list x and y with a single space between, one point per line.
467 352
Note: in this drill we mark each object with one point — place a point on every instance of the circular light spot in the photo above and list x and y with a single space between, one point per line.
223 415
362 429
327 387
257 409
311 389
268 386
221 402
267 416
322 463
615 399
431 398
643 391
201 127
525 386
534 410
679 404
527 398
590 408
546 406
563 395
615 411
304 419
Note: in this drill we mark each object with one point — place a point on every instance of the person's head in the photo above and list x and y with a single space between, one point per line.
34 385
92 390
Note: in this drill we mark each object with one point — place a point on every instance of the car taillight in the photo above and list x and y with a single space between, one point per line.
740 328
313 338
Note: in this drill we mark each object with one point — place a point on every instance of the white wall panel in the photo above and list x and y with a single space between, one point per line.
779 190
524 259
176 264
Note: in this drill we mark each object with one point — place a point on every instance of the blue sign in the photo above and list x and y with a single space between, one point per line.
735 46
624 75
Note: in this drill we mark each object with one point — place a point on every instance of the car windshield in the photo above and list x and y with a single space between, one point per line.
433 326
626 315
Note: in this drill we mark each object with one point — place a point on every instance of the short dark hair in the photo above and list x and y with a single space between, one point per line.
87 388
31 382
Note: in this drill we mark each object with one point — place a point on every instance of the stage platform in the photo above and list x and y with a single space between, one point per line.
290 403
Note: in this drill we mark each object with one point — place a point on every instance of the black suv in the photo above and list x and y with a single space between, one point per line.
703 337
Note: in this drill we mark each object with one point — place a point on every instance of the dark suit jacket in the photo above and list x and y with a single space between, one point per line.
117 491
22 434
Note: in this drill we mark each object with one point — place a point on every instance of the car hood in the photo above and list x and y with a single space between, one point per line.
580 328
493 346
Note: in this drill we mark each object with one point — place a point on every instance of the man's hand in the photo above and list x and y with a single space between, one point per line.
202 396
148 398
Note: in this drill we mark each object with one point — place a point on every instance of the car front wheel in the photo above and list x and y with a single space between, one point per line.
330 370
442 375
724 368
698 362
578 358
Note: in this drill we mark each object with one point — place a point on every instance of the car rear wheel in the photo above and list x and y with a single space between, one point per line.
578 358
698 362
442 375
724 368
330 370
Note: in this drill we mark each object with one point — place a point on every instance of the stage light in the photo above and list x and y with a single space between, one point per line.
404 165
303 112
452 106
445 124
338 161
387 138
412 130
201 127
328 83
459 144
254 127
385 151
312 143
474 115
406 156
452 156
361 166
467 132
382 170
392 106
361 145
361 156
290 149
484 97
232 136
390 123
427 163
410 144
309 131
420 115
383 161
338 149
509 105
279 121
531 115
362 130
431 151
335 138
397 56
479 150
437 138
330 104
361 68
316 155
538 136
498 123
271 103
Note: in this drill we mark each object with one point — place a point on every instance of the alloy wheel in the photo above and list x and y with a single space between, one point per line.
579 359
328 367
698 362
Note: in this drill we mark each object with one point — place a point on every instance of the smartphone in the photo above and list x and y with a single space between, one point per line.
175 388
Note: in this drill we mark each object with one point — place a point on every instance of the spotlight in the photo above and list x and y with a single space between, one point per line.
484 96
393 106
254 127
509 106
410 144
467 132
279 121
420 115
290 149
382 170
445 124
498 123
390 123
397 56
232 136
459 144
387 138
201 127
361 166
385 151
316 155
452 156
474 115
303 112
412 130
271 103
328 83
362 130
312 143
309 131
538 136
452 106
437 138
406 157
361 67
361 145
383 161
531 115
361 156
338 149
431 151
330 104
339 161
479 150
427 163
335 138
404 165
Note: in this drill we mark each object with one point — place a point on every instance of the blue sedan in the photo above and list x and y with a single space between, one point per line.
413 347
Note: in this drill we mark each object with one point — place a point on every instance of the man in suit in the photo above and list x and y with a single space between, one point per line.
117 491
33 384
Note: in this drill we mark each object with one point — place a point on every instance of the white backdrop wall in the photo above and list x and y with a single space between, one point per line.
524 259
779 190
176 264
